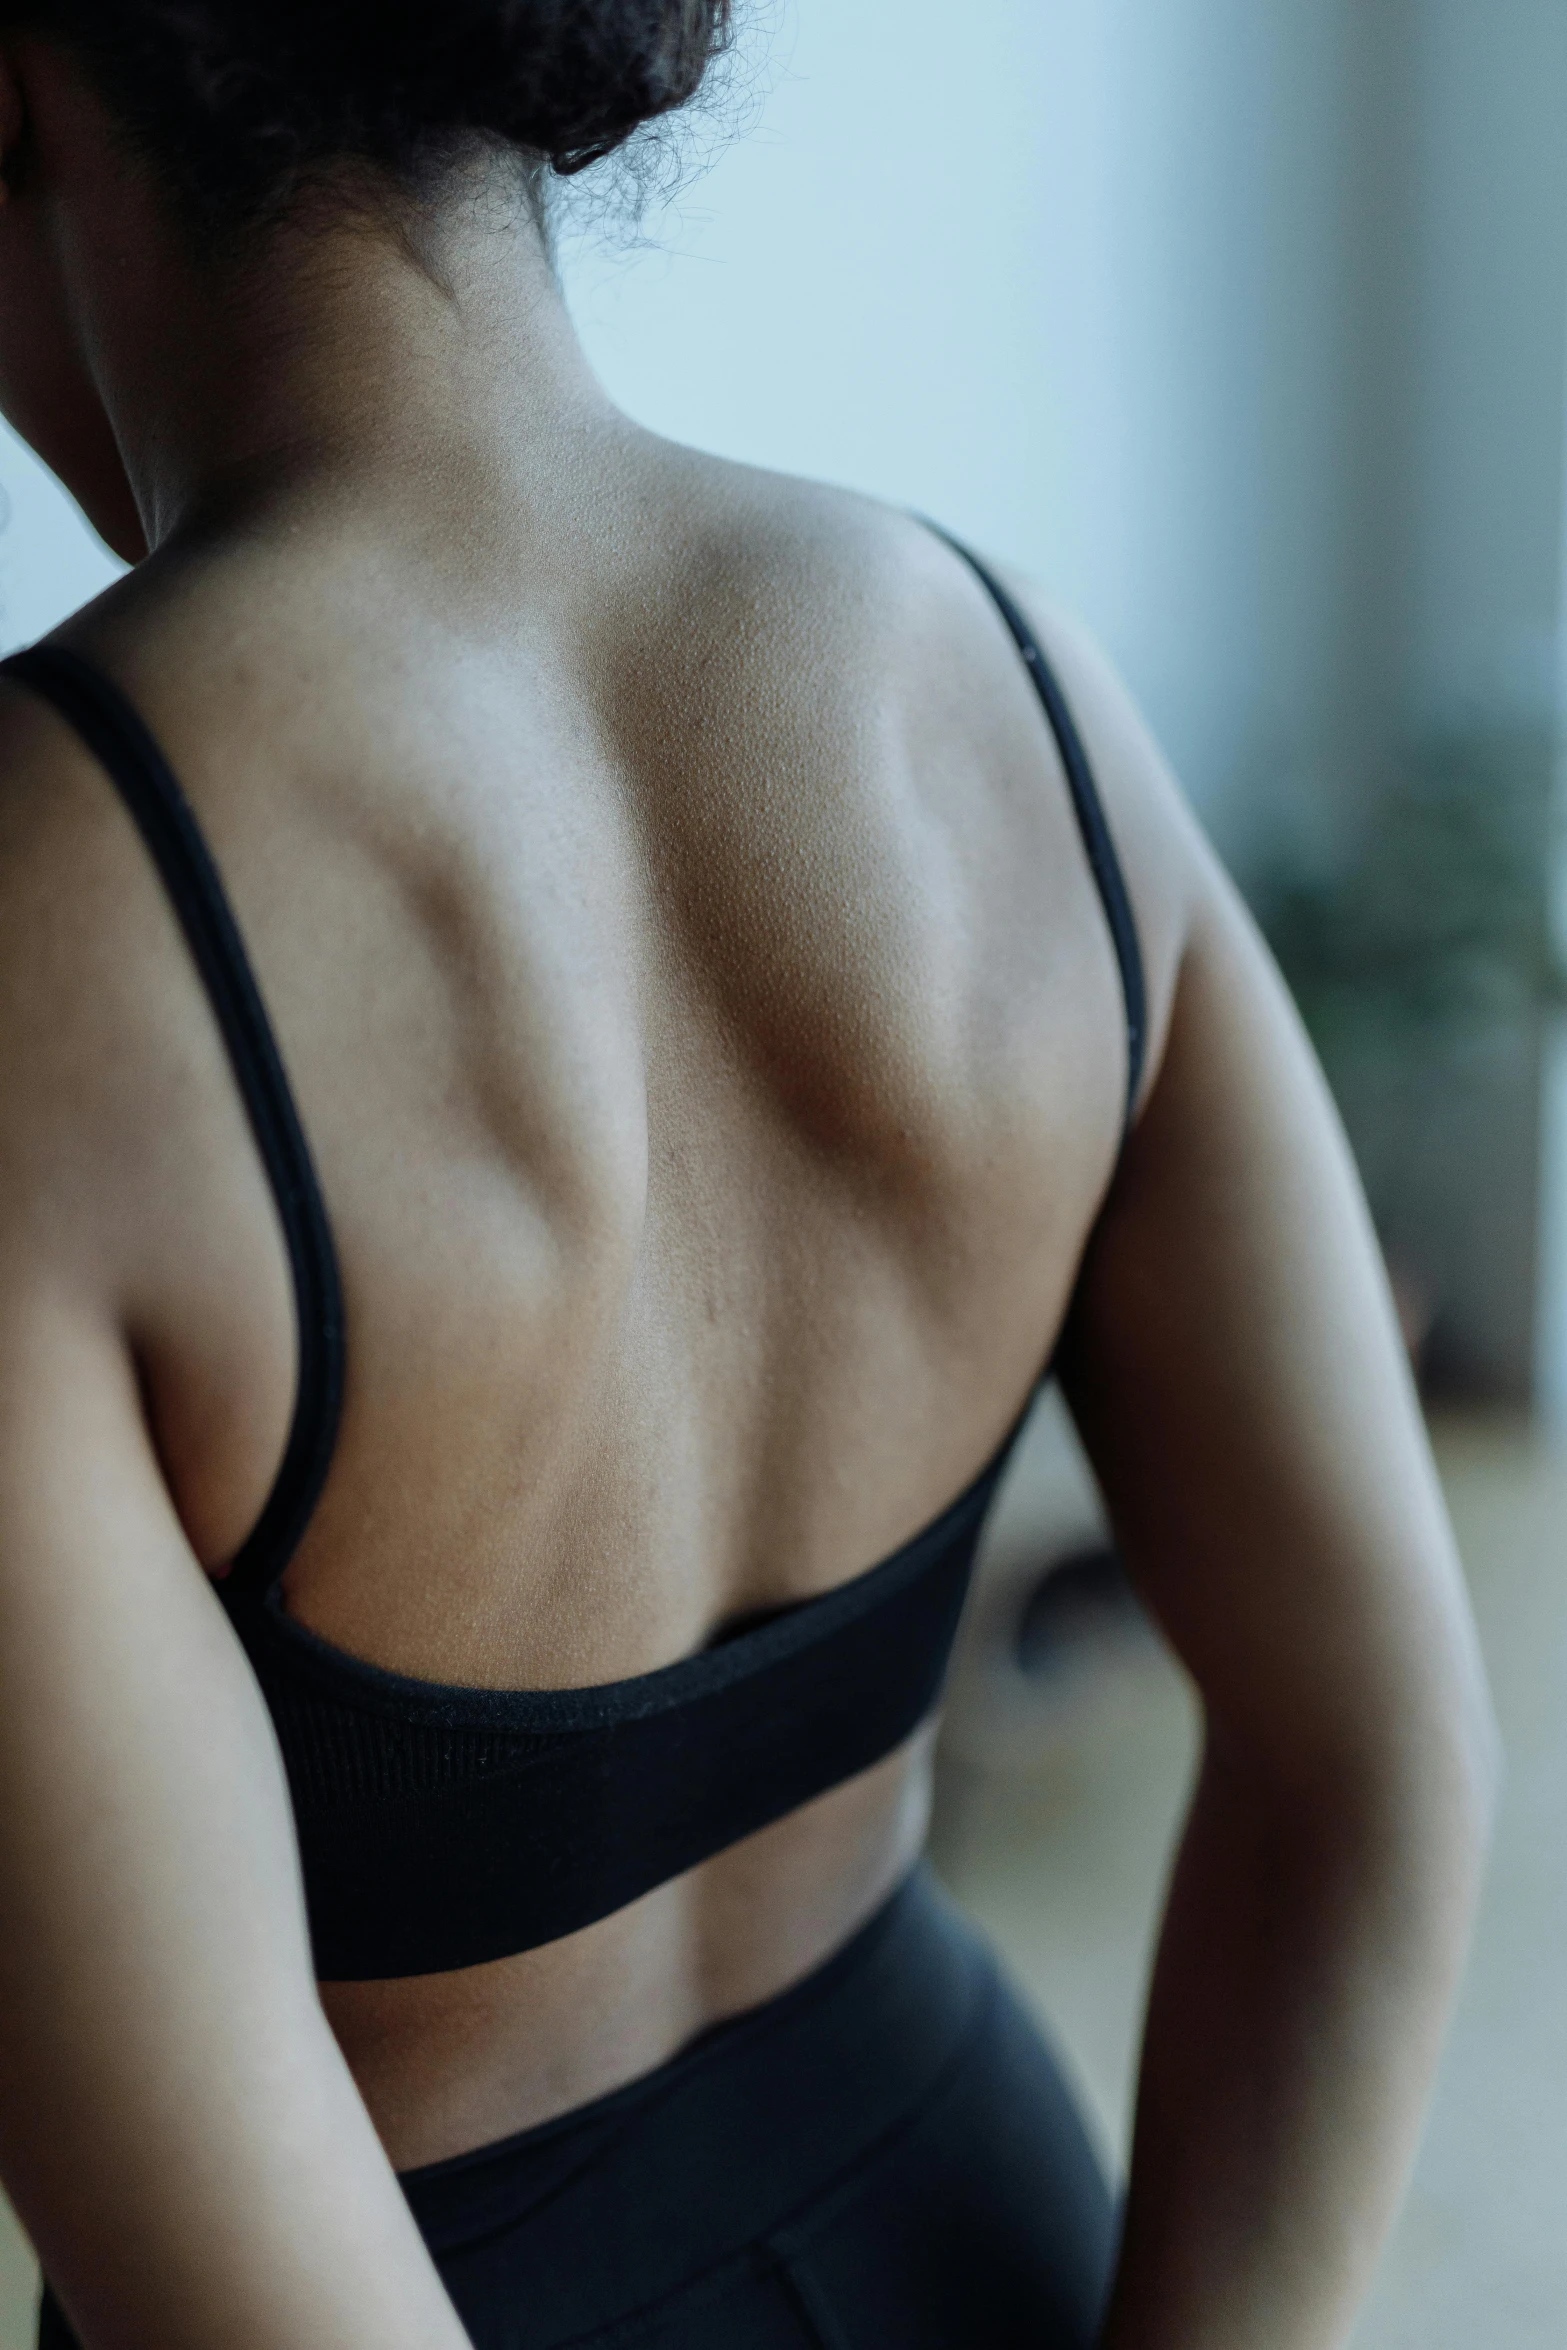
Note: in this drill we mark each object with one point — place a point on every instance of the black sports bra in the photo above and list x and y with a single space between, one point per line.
442 1827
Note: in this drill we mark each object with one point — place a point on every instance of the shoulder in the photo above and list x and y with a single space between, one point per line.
1169 868
92 1043
856 613
924 627
892 596
847 588
62 862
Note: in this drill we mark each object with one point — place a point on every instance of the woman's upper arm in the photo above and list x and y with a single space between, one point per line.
1233 1358
177 2128
1236 1366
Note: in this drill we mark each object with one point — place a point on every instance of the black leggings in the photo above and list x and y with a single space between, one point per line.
884 2158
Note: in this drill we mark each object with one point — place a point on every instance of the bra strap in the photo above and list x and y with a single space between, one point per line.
116 735
1091 819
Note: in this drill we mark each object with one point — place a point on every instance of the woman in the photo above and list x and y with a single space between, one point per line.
572 1138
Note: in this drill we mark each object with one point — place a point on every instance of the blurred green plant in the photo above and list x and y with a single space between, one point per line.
1432 922
1420 947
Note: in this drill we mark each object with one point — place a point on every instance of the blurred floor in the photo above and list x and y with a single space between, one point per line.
1058 1841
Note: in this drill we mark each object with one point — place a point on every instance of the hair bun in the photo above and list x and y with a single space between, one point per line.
569 80
239 100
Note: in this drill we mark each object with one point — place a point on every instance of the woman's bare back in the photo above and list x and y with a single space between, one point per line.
704 1020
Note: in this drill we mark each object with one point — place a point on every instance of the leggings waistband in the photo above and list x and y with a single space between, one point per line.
669 2176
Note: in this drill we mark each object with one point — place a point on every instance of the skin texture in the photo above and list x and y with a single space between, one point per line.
671 910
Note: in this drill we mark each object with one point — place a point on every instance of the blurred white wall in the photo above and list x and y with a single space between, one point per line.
1489 301
1454 273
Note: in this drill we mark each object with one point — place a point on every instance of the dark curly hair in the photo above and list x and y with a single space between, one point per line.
242 103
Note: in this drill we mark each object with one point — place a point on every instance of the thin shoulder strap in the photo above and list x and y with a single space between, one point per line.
1092 822
117 737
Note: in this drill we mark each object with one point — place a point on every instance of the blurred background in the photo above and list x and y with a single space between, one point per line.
1243 325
